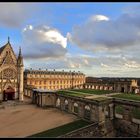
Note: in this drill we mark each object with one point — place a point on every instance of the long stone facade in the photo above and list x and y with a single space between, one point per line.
11 73
124 86
53 80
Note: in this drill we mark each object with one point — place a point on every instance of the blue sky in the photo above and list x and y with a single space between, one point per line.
98 39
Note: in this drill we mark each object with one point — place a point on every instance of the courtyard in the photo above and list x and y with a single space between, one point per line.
25 119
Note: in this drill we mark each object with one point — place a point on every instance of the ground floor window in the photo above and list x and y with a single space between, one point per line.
75 108
66 105
87 112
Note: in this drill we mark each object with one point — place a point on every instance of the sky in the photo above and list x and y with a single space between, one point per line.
98 39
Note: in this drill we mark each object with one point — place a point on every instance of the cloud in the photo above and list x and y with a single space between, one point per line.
104 65
15 14
105 34
98 18
43 42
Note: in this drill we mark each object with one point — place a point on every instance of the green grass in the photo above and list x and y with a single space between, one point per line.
128 96
61 130
136 113
100 99
93 91
119 109
72 93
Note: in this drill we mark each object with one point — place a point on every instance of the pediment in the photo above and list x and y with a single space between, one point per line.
8 59
7 55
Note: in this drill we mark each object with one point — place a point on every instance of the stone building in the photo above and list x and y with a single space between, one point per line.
11 73
53 80
126 85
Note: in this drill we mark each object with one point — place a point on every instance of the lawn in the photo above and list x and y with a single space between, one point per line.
119 109
128 96
73 93
136 113
93 91
61 130
100 99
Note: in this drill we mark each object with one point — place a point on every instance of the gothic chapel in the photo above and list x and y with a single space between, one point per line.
11 74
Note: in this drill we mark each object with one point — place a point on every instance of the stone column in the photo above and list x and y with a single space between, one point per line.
125 88
70 105
21 69
81 110
111 111
43 100
94 113
101 113
62 103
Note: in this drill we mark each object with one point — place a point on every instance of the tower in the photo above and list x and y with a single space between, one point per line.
20 68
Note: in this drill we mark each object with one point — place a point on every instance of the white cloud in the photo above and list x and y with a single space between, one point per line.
107 35
98 18
104 65
43 42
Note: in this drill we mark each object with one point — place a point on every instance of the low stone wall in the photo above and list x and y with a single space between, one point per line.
104 129
127 128
91 130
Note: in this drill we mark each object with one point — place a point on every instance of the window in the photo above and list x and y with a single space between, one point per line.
87 112
66 105
75 108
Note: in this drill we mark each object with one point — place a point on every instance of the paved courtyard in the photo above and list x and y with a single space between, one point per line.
24 119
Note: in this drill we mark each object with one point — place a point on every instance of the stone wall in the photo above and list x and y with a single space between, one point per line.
127 128
106 121
93 130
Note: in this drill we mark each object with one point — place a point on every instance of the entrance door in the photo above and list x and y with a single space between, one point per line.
122 89
9 94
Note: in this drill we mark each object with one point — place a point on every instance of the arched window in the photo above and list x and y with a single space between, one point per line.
66 105
87 112
75 108
58 102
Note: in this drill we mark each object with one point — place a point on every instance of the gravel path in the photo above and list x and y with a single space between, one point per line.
26 119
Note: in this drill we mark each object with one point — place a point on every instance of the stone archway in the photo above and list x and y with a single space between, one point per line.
122 89
9 94
75 108
87 112
66 105
58 102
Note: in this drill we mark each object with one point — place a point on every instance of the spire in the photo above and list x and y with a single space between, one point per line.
19 55
20 58
19 51
8 39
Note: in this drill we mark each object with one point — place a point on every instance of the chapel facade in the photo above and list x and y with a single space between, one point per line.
11 73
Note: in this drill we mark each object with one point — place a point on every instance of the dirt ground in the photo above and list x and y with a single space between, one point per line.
27 119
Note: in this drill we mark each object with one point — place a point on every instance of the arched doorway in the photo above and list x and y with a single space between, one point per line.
122 89
87 112
8 94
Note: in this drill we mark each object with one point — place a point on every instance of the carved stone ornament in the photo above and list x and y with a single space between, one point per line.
8 74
